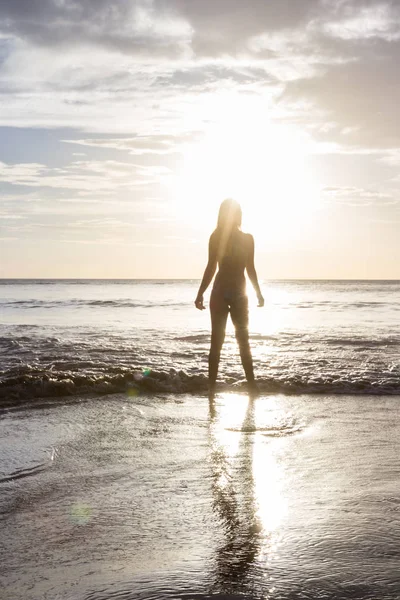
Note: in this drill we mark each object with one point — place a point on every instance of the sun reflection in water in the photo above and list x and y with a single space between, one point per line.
248 482
268 478
280 311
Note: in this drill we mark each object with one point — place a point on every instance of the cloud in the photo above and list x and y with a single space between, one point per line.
225 26
90 176
174 29
128 26
6 216
162 27
85 197
378 20
391 157
95 223
140 144
353 196
361 98
140 66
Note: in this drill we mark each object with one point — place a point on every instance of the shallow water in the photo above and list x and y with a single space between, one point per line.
69 338
170 497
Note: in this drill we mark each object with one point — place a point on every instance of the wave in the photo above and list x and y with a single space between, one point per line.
124 302
201 337
121 303
336 304
34 383
22 473
364 343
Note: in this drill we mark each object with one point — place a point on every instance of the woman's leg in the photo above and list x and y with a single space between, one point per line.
219 313
240 319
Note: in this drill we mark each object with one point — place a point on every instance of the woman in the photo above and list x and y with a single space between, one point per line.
233 252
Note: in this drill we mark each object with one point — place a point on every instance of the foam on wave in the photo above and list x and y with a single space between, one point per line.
76 302
36 383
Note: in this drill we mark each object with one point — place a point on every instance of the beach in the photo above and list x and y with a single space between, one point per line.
168 497
119 478
199 300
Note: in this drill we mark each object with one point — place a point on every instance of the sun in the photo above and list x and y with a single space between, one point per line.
243 155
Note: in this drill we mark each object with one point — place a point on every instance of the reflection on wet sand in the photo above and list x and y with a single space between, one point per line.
246 496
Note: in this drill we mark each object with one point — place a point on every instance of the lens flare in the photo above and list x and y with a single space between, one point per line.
139 375
132 392
81 513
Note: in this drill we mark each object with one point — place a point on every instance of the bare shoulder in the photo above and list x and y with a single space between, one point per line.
248 239
213 238
213 244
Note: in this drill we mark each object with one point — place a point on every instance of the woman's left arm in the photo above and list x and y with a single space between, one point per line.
251 271
208 273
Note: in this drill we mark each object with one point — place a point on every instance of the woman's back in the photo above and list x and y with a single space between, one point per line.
232 252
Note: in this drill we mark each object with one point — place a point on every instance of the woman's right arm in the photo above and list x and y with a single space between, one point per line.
208 273
251 272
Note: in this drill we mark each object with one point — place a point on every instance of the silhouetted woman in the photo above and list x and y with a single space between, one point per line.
233 252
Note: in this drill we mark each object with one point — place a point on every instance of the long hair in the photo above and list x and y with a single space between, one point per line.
229 221
229 216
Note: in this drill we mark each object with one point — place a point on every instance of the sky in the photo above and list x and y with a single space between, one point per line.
125 123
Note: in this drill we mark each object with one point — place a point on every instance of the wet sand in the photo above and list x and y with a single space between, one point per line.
286 497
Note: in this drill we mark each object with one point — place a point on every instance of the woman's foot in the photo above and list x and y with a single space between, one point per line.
253 389
211 389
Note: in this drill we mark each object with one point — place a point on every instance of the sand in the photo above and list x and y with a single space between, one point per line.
166 496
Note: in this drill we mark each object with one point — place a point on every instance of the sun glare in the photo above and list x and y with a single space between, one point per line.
245 156
246 463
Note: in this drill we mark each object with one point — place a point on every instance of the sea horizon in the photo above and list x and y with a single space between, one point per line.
172 279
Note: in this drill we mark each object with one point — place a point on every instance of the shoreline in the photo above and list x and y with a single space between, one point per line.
32 390
169 496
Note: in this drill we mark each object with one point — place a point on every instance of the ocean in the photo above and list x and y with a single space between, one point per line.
69 337
120 479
